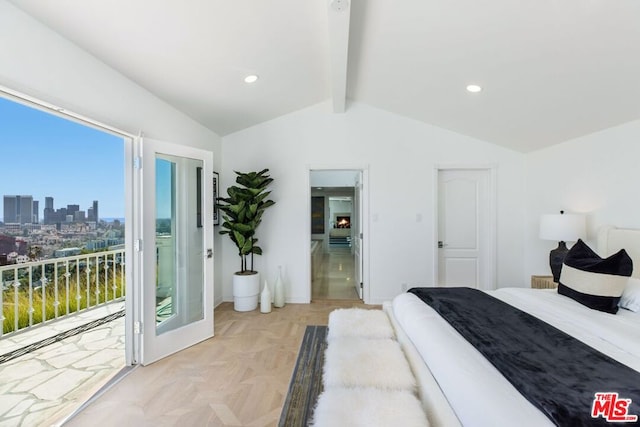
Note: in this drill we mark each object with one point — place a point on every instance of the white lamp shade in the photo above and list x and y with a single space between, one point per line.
562 227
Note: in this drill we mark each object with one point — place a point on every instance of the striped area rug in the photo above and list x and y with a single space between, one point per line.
306 382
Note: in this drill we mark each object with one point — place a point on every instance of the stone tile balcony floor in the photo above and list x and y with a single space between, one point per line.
42 387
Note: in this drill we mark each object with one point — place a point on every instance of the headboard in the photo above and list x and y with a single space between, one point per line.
612 239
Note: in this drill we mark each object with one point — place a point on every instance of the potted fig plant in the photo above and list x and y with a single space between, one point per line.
242 212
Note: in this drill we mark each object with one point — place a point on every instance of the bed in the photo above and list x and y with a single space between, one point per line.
459 386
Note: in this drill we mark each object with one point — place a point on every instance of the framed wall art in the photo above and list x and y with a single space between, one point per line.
317 215
216 192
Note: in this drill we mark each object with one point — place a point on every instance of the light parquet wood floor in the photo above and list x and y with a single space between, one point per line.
240 377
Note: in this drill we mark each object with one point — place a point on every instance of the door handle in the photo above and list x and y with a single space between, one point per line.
209 253
441 244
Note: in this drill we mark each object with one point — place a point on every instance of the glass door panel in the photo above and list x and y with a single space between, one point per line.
179 243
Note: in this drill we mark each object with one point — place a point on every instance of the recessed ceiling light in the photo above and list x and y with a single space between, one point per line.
474 88
251 78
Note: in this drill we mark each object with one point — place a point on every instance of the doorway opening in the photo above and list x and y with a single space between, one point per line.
337 234
334 272
62 259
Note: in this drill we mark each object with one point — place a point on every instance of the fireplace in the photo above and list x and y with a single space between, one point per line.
343 221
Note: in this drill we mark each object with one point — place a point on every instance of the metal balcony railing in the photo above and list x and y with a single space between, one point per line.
38 292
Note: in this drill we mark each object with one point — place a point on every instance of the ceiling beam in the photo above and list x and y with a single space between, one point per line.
339 14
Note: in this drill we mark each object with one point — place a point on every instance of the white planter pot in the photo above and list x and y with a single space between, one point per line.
246 289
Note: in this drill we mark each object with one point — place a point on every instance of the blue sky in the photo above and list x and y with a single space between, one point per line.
164 190
45 155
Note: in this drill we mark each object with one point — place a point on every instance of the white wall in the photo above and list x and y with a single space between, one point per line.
333 178
597 174
39 63
401 155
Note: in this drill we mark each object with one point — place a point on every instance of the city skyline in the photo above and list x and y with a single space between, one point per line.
44 213
48 156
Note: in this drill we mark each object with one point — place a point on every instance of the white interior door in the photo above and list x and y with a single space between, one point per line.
463 228
357 234
177 242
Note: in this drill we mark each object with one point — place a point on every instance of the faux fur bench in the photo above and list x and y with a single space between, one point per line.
367 380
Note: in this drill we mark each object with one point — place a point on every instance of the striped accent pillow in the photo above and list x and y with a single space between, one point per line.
593 281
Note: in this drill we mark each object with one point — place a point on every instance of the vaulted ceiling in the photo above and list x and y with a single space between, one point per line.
551 70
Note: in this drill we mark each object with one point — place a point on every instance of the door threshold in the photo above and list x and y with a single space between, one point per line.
102 390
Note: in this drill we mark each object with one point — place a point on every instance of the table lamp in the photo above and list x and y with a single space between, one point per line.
561 228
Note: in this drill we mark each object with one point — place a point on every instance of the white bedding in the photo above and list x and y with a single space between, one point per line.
478 394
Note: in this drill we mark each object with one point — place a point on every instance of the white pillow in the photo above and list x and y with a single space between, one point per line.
630 298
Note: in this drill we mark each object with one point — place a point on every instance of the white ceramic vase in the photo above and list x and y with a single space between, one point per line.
265 299
246 289
278 290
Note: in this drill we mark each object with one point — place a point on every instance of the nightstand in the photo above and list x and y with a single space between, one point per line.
543 282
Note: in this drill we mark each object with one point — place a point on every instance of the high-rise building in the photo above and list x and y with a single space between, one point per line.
36 212
92 212
96 217
55 217
72 209
48 213
10 209
18 209
26 209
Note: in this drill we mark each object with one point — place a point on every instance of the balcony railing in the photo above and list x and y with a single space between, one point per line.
38 292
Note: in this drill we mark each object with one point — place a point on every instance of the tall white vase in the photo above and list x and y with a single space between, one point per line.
265 299
278 290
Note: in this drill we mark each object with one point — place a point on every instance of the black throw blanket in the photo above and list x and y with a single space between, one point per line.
554 371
